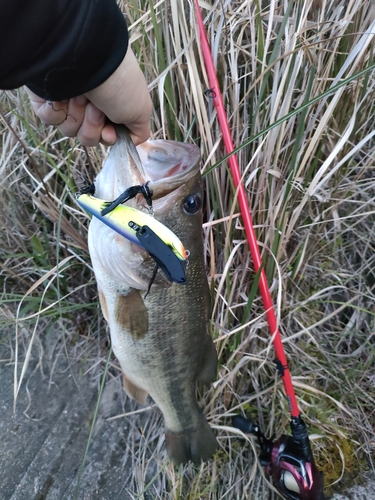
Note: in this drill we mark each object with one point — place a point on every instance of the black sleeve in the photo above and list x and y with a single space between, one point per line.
60 48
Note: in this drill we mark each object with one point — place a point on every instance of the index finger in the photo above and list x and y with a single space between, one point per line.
51 113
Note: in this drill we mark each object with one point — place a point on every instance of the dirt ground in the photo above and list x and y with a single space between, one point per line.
43 443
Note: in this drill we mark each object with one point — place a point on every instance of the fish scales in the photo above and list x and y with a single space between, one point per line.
162 341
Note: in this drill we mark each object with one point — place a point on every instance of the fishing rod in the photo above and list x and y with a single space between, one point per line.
289 460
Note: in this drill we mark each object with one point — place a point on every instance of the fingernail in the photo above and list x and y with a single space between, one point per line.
94 114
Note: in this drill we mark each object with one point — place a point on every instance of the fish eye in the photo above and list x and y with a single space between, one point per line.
192 204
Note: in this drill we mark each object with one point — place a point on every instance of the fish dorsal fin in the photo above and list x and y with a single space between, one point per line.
133 391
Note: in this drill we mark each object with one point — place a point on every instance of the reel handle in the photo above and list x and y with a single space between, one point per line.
246 425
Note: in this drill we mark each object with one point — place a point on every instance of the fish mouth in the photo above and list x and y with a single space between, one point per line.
167 164
164 165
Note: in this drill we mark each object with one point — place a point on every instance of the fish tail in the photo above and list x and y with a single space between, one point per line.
197 444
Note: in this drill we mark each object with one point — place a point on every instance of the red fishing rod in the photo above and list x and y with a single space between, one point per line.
289 460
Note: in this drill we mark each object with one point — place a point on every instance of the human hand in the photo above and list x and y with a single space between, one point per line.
123 98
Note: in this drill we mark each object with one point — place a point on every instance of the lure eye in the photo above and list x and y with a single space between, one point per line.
192 204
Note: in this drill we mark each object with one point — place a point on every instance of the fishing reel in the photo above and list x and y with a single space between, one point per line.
288 460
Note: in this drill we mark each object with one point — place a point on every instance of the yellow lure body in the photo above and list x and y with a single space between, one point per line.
126 220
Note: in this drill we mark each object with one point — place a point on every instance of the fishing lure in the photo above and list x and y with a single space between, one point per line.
160 242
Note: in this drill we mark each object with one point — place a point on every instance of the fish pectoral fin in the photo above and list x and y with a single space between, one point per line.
131 314
208 371
133 391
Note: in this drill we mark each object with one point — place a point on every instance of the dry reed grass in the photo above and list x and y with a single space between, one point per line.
310 185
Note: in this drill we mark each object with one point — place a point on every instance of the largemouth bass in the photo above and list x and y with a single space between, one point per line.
162 341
